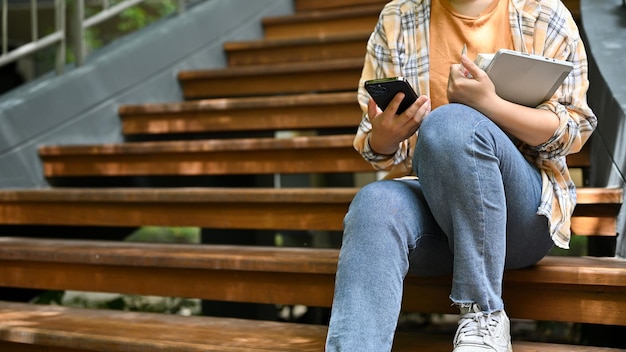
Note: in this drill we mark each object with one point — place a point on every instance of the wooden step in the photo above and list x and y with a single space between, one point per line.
572 289
240 208
288 78
323 23
295 112
235 208
305 154
29 328
240 156
316 5
273 51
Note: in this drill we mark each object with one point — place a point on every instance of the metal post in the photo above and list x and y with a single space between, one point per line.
181 6
5 26
79 32
60 27
34 31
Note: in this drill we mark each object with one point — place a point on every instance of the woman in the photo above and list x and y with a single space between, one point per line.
493 191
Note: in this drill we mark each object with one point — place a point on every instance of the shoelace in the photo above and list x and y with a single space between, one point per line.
477 324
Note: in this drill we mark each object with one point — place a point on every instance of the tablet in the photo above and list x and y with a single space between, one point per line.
526 79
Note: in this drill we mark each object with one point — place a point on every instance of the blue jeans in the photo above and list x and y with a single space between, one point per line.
472 213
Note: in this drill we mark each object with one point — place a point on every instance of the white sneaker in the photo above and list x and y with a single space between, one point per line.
480 332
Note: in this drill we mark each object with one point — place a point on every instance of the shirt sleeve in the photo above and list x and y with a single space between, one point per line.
378 64
569 103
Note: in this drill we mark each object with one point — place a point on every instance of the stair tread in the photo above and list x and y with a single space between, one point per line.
296 41
313 48
182 195
550 270
316 16
302 154
116 331
586 195
553 289
281 68
209 145
240 103
273 79
316 5
270 113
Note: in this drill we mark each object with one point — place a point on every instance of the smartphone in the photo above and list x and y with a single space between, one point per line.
383 90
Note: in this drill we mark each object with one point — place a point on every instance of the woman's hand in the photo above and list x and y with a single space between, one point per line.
470 85
389 129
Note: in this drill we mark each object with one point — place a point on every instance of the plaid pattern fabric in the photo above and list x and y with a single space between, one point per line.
399 46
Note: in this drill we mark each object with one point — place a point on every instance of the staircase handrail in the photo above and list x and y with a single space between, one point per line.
59 36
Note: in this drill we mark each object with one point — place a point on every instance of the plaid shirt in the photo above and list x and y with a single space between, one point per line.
399 47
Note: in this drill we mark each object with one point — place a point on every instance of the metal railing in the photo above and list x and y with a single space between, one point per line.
57 37
60 36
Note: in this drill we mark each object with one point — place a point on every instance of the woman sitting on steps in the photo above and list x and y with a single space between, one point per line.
493 192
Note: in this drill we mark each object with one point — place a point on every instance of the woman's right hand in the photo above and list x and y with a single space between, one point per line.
389 129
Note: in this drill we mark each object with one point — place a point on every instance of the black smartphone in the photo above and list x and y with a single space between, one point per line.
384 89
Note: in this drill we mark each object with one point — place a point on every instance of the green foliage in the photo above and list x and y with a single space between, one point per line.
129 20
578 247
165 235
49 297
138 17
134 303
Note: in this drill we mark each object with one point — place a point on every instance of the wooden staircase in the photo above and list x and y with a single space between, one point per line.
299 81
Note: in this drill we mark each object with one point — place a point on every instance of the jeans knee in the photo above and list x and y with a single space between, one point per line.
448 125
373 197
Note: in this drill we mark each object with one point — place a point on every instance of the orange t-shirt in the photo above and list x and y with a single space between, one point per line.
449 30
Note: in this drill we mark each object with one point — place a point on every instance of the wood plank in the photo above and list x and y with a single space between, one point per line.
574 7
322 23
101 330
274 51
577 289
295 112
306 154
316 5
234 208
303 154
563 270
57 329
242 208
582 159
287 78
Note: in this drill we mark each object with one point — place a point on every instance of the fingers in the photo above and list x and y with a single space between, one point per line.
372 109
395 103
472 69
416 112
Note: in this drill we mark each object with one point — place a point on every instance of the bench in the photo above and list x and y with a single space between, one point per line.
229 132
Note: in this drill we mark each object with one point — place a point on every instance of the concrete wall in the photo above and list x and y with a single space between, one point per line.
81 105
604 25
